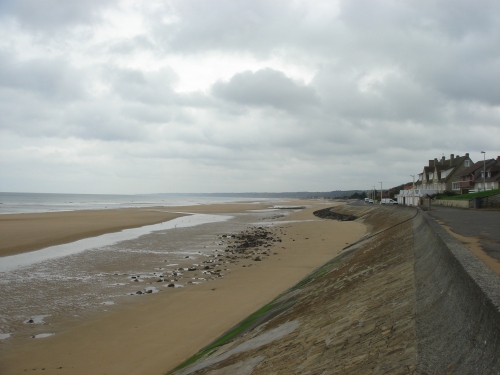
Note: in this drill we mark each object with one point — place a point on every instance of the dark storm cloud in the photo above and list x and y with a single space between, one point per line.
266 87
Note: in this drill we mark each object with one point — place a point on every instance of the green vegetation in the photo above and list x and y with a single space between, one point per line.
226 337
357 195
260 314
445 194
257 317
472 195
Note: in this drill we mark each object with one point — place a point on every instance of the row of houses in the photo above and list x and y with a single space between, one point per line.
457 174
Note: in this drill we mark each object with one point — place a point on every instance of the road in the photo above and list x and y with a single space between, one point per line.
481 224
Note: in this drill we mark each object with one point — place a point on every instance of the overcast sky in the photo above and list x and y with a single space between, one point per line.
235 96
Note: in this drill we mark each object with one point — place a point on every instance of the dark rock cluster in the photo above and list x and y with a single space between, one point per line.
327 213
253 244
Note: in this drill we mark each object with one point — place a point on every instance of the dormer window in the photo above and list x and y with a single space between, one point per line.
466 163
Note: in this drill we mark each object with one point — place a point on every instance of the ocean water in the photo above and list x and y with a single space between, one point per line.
15 203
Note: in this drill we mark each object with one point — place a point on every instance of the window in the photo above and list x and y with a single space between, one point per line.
455 186
466 163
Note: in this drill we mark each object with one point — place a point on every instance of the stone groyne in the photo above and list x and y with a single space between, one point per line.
405 299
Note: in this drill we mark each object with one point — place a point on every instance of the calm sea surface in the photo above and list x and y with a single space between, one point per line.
14 203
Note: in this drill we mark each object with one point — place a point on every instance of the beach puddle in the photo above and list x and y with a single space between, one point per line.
12 262
36 319
41 335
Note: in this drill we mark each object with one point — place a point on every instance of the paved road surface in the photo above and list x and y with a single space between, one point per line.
482 224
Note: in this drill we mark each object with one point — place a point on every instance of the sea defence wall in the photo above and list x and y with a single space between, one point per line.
457 305
407 298
451 203
491 201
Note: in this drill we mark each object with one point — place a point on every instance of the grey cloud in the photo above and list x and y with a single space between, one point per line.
126 47
53 15
266 87
45 77
235 25
150 87
438 83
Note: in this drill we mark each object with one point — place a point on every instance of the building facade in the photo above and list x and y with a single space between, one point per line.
440 175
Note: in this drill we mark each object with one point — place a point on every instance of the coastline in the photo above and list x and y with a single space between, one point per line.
159 332
21 233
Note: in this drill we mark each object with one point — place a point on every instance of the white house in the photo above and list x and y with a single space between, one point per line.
414 197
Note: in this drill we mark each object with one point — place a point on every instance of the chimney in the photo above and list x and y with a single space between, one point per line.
442 160
452 159
431 163
467 155
436 162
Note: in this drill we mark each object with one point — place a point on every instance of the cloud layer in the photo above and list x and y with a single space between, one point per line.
196 96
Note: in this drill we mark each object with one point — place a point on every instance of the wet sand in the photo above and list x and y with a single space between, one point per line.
27 232
153 336
32 231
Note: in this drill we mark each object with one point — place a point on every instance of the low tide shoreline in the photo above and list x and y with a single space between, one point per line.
26 232
158 333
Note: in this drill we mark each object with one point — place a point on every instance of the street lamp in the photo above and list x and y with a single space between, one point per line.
413 194
381 193
374 192
484 171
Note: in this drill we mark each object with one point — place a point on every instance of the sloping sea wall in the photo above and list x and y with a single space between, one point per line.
406 299
457 305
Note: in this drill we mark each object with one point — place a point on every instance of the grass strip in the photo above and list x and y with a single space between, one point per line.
472 195
226 337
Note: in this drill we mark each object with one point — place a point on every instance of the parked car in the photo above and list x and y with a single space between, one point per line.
370 201
388 201
367 199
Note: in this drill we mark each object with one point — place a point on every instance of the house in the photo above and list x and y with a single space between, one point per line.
492 176
441 174
471 176
414 197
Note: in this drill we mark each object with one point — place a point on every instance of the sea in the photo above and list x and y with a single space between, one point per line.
18 203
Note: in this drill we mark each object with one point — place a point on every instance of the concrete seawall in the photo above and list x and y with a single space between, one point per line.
451 203
457 305
406 299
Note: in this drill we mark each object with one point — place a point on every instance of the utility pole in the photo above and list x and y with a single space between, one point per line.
484 170
381 193
413 194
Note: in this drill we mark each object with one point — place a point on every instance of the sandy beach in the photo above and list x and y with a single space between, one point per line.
152 334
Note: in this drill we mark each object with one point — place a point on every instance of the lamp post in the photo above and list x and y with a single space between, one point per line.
413 194
484 170
374 196
381 193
